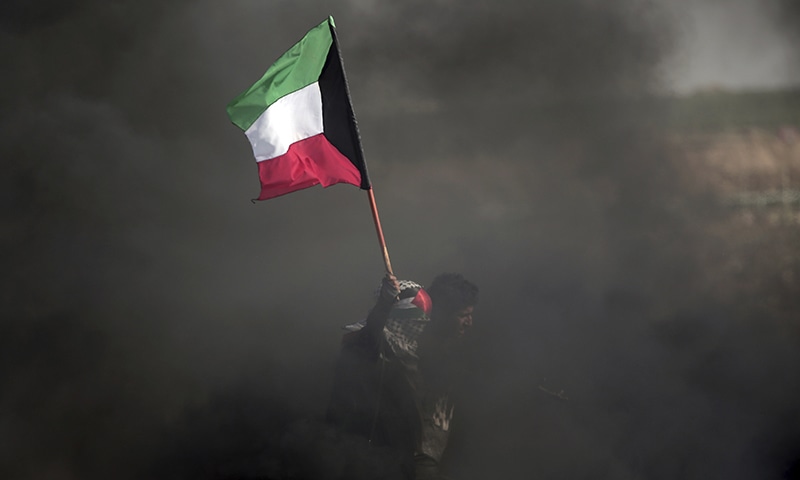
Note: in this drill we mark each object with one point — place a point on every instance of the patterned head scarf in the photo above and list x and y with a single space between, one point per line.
407 320
412 297
413 304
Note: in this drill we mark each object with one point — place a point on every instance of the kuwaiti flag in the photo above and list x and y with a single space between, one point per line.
300 121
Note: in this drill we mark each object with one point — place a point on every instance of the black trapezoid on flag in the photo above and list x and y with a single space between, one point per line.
339 121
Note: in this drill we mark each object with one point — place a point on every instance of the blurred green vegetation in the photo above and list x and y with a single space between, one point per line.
721 110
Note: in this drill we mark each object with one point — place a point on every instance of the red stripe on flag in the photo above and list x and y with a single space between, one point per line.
309 162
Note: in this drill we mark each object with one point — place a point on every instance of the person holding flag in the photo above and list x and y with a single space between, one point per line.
397 373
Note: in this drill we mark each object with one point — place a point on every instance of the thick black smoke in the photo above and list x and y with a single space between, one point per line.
156 324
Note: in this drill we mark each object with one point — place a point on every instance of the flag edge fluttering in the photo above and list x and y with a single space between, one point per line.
326 147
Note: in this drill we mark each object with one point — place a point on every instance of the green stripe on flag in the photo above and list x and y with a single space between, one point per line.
299 67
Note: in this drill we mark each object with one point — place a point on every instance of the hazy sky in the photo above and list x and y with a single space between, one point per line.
732 43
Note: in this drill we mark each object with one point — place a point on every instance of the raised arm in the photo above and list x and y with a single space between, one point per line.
376 320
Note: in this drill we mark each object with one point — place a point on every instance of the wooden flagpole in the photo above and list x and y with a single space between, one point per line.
359 152
379 231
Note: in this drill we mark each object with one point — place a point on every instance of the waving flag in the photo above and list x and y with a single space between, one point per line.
299 119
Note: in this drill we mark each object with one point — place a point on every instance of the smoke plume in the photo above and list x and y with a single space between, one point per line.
159 325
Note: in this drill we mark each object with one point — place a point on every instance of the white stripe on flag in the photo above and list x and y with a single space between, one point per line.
290 119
